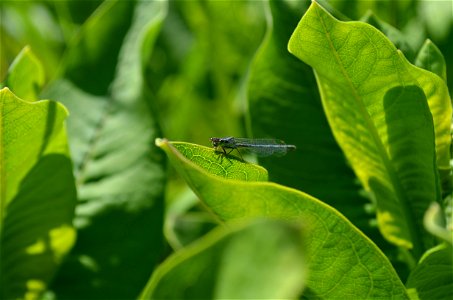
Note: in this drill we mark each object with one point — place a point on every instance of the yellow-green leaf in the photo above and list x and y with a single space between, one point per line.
216 163
336 249
37 194
377 106
25 76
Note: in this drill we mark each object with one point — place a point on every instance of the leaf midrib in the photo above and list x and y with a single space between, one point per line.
410 222
2 165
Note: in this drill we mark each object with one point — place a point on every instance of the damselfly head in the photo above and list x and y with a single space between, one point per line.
219 142
215 141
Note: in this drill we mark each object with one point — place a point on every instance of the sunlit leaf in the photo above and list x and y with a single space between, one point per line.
376 106
25 76
37 193
219 164
336 250
284 103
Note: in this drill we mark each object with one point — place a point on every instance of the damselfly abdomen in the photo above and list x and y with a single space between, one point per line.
260 147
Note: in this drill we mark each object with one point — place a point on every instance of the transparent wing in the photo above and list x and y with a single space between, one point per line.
263 147
257 142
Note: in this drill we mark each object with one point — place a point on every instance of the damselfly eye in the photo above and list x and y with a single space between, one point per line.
215 141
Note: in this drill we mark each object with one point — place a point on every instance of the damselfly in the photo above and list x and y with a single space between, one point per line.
260 147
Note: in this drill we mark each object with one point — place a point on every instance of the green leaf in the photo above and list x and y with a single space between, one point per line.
37 194
393 34
433 276
284 103
229 263
120 173
375 103
185 219
25 76
337 251
430 58
182 226
216 163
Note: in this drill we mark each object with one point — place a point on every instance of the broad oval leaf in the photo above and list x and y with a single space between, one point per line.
376 106
37 194
337 251
254 260
432 278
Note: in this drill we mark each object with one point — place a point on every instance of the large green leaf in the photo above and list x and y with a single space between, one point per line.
430 58
119 172
376 106
284 103
433 276
184 223
336 250
260 259
37 192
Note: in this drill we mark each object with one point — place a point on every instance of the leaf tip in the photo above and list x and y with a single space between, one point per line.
435 224
5 90
160 142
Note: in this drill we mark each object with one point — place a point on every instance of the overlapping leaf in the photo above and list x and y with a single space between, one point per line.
430 58
25 76
119 171
432 278
37 190
284 103
337 251
376 106
229 263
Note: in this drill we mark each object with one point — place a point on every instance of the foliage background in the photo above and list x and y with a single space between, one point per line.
203 52
195 86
